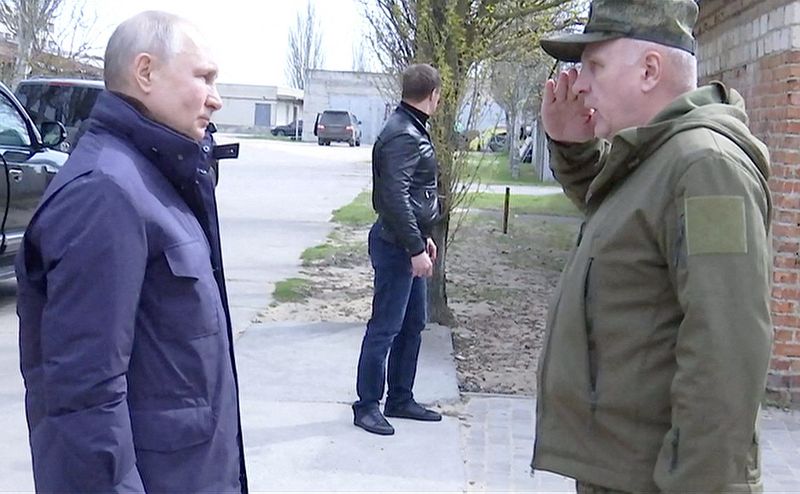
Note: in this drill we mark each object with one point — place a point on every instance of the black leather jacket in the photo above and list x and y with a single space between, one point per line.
404 171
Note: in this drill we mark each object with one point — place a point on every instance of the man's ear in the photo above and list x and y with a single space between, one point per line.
653 65
143 71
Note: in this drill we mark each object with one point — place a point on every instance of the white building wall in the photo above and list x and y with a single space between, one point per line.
236 112
240 101
365 94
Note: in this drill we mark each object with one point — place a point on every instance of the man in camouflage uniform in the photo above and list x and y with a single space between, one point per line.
658 339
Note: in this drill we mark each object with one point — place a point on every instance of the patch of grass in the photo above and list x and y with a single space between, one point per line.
492 168
552 204
358 213
292 290
318 253
333 252
531 240
541 243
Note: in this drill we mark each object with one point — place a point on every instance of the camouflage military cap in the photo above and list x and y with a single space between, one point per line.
667 22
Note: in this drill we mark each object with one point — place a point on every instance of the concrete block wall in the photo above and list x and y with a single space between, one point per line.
754 47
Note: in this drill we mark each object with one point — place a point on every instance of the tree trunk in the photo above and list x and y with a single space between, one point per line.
22 63
438 311
513 147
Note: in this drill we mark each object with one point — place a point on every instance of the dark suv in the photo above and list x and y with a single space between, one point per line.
68 101
27 164
337 126
292 129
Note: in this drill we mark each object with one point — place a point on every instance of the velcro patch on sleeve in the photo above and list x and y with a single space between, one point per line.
716 225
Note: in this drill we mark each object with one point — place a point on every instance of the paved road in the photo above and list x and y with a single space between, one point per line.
275 201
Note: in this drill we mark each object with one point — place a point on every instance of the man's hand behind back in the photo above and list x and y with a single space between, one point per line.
564 115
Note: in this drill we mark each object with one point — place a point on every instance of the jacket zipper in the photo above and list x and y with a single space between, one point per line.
591 346
675 442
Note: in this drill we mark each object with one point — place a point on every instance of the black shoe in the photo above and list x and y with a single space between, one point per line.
412 410
371 420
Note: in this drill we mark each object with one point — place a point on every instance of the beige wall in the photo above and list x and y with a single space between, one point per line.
239 104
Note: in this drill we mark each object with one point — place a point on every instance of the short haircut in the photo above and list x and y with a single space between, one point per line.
419 81
681 65
152 31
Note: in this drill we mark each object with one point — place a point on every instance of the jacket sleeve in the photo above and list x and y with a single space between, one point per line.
717 243
576 165
93 254
398 161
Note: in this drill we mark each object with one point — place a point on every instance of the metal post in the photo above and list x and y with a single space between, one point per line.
506 207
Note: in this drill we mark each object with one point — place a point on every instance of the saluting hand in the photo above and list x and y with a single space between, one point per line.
564 115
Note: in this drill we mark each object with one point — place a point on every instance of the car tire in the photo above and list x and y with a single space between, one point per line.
352 143
327 143
320 142
358 142
280 133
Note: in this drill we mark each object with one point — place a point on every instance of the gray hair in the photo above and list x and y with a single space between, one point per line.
154 32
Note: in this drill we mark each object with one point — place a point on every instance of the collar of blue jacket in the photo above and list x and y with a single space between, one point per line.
177 156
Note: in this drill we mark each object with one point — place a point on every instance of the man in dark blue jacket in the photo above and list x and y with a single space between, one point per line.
402 252
125 333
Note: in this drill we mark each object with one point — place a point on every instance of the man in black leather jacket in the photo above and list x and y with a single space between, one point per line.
402 254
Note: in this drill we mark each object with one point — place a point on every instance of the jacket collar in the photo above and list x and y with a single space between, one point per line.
713 106
176 156
421 115
414 119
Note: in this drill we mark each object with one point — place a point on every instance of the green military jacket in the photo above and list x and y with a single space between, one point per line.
659 335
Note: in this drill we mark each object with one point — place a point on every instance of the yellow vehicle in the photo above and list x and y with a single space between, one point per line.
493 140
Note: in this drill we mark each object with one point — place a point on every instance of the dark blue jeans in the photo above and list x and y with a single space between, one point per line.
398 317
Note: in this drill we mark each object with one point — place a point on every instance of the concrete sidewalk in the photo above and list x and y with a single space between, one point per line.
297 384
518 189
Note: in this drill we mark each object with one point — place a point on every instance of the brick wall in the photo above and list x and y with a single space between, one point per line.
754 47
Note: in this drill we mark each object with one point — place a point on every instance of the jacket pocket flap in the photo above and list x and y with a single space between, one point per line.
171 430
186 260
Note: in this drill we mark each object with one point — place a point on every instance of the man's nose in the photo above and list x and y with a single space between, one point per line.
214 100
580 86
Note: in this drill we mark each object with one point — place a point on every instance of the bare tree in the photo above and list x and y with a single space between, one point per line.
360 61
305 48
516 85
454 36
30 22
53 38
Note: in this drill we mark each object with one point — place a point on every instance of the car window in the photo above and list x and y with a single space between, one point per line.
13 131
68 104
335 118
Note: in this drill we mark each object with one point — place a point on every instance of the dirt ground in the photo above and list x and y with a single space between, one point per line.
499 287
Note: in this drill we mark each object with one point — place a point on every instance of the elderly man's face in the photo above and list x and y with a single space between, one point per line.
184 92
609 81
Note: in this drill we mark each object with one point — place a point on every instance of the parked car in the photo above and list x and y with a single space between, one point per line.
70 101
337 126
291 129
28 162
494 140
